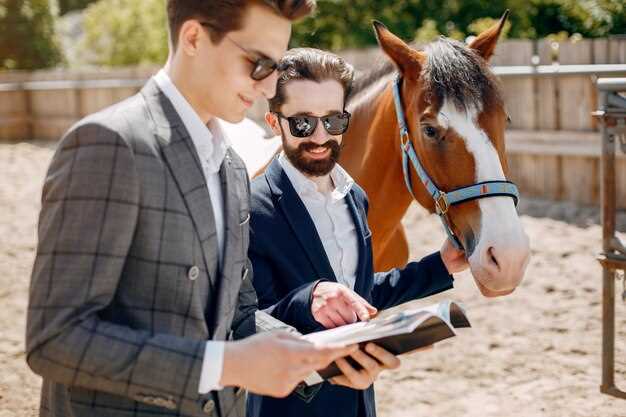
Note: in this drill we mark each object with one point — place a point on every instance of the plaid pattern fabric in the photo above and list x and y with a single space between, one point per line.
125 288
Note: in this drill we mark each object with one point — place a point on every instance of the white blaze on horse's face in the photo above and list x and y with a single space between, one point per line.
502 247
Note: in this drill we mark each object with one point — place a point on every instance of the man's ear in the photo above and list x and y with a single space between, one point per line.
189 37
272 121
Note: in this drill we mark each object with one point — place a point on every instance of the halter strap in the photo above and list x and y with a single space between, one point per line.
443 200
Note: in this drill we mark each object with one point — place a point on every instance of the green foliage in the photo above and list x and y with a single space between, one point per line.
27 36
129 32
342 24
126 32
66 6
428 32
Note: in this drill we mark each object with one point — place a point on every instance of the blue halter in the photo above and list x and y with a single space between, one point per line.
443 200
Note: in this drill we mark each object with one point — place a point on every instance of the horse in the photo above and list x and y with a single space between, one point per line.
453 136
439 111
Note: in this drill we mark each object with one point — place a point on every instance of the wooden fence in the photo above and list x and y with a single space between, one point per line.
553 143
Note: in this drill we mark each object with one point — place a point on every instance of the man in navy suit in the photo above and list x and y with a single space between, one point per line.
310 239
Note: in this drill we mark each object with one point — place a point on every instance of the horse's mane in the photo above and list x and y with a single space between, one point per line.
455 72
452 71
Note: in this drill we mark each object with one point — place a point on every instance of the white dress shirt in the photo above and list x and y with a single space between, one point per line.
211 145
332 219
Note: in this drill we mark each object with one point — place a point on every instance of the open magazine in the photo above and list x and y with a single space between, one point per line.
398 333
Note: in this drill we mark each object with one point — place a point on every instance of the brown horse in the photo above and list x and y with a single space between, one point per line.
456 122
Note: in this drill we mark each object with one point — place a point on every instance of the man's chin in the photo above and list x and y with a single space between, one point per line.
233 117
318 168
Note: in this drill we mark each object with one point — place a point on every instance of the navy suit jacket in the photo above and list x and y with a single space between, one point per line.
288 260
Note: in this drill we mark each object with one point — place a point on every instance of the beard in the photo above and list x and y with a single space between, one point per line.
313 167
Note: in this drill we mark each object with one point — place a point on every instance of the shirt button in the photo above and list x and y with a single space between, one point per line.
209 406
193 273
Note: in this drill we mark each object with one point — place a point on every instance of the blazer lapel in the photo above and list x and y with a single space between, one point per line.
182 160
299 220
358 216
235 193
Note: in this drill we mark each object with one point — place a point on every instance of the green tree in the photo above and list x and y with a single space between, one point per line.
27 36
342 24
427 32
126 32
129 32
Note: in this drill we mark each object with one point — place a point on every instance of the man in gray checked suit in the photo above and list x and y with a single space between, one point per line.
141 277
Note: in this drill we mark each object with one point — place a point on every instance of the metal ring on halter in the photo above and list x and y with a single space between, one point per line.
442 204
405 140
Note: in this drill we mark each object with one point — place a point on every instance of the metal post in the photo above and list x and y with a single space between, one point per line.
610 258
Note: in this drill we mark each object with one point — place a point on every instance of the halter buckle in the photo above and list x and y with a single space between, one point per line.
405 140
442 204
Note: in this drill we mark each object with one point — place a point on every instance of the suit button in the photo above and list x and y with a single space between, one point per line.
209 406
165 403
193 273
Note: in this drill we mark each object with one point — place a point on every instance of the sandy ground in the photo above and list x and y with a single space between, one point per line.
533 353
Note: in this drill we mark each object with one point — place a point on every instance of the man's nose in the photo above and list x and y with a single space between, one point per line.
319 136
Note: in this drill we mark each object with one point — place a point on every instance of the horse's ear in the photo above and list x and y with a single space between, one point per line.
408 61
485 43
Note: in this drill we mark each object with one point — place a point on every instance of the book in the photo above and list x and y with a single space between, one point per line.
398 332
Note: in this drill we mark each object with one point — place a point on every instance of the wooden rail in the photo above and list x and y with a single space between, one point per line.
552 141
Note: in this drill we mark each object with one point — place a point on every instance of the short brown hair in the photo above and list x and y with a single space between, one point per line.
223 16
314 65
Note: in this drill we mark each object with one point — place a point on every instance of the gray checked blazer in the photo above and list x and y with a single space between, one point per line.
125 288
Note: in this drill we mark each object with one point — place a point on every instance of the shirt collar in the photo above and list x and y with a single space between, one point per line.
210 140
341 179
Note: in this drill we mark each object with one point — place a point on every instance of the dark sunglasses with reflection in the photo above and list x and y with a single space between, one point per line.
263 66
303 126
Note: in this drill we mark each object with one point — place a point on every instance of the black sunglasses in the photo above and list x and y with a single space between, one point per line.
304 126
263 66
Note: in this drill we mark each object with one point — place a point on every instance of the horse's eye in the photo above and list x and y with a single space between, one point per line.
430 131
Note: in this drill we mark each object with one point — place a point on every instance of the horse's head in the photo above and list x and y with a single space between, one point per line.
456 121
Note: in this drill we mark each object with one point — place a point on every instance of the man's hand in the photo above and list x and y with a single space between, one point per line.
453 258
373 362
334 305
273 363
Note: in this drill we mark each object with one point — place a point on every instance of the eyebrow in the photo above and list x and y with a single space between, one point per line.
259 54
308 113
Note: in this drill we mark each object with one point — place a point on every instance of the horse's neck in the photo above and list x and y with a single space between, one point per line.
372 157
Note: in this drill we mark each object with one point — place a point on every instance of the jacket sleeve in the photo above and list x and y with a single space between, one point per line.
420 279
89 212
417 280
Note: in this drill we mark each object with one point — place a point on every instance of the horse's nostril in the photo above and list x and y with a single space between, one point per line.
492 256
